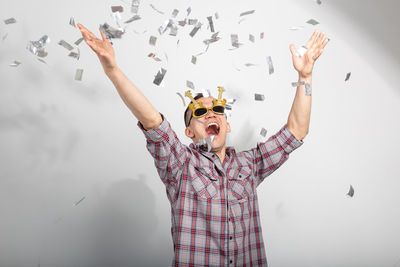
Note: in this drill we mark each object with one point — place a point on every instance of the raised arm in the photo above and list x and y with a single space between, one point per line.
299 116
133 98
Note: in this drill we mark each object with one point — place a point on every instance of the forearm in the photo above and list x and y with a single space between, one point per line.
299 116
135 100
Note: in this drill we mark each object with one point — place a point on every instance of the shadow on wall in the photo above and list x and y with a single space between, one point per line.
125 222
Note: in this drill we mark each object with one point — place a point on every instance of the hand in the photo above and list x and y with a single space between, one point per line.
102 48
315 45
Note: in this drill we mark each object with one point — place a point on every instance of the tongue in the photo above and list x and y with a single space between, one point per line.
212 130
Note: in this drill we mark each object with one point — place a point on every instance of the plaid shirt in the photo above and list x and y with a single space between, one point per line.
215 219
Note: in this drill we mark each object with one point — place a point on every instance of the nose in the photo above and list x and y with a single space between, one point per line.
210 114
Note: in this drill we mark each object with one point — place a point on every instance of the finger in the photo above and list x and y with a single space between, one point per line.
324 43
86 33
292 48
320 39
316 56
312 38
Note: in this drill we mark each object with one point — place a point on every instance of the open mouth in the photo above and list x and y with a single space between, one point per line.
212 129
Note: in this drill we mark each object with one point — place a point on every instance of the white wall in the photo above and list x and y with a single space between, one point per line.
61 140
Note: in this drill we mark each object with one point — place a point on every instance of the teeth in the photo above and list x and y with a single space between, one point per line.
213 123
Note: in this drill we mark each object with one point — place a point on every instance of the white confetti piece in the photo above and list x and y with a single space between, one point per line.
111 32
78 75
80 201
175 13
134 18
155 9
183 99
247 13
159 76
211 23
135 6
77 42
270 65
259 97
72 22
195 29
251 38
66 45
153 40
263 132
297 84
308 89
37 47
16 63
301 51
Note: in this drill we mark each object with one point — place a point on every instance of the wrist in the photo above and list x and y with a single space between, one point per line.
111 71
303 76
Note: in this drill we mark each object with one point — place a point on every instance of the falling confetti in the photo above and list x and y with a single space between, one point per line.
296 28
77 42
190 85
117 9
154 8
75 55
188 10
211 23
312 22
4 37
37 47
251 38
194 60
135 6
152 55
301 51
164 26
134 18
183 99
192 21
10 21
270 65
159 76
72 22
175 13
262 35
153 40
259 97
80 201
78 75
297 84
235 40
111 32
66 45
263 132
16 63
247 13
216 15
195 29
308 89
347 76
318 2
351 191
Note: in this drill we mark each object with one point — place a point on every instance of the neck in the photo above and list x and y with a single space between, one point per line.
221 154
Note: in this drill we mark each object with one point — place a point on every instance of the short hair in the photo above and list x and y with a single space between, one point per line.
188 112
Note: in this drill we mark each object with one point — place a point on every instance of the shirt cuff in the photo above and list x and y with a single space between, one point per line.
157 134
287 140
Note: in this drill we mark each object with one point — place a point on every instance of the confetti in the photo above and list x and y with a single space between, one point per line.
134 18
77 42
259 97
216 15
251 38
159 76
247 13
188 10
209 93
183 99
262 35
135 6
250 64
351 191
153 40
312 22
118 9
195 29
209 140
72 22
194 60
80 201
213 39
111 32
66 45
164 26
270 65
297 84
182 23
301 51
154 8
4 37
41 60
37 47
263 132
308 89
78 75
152 55
210 21
318 2
175 13
347 76
235 40
296 28
10 21
75 55
240 21
193 21
190 85
16 63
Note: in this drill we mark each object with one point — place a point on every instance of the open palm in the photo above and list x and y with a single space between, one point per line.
102 47
315 45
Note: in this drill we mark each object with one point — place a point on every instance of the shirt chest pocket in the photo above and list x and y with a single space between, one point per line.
204 183
241 183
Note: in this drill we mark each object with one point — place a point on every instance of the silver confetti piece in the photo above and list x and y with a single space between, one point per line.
164 26
41 60
175 13
250 64
301 51
41 53
216 15
155 9
308 89
259 97
16 63
347 76
159 76
74 55
235 40
209 139
351 191
10 21
72 22
193 21
210 22
183 99
247 13
111 32
153 40
190 85
194 60
312 22
4 37
318 2
231 101
195 29
78 75
214 38
117 9
270 65
297 84
241 20
77 42
188 11
66 45
134 18
296 28
135 6
37 47
209 93
152 55
182 23
263 132
262 35
80 201
251 38
174 30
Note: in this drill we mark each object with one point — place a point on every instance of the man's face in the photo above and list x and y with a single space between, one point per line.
210 124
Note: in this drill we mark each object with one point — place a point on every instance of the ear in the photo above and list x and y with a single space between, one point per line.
228 127
189 133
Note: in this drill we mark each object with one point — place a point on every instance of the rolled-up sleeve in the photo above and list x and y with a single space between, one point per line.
169 155
271 154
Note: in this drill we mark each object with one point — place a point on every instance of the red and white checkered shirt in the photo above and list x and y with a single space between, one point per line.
215 219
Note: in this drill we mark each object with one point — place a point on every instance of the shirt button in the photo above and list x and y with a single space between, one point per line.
230 238
231 261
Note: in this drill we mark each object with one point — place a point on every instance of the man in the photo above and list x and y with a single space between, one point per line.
214 205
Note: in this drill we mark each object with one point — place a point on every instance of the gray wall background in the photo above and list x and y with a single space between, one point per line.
62 140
